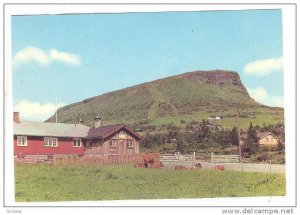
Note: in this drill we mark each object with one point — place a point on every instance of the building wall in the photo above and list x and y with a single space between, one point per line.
268 140
103 147
35 146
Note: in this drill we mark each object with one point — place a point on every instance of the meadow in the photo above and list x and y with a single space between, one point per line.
44 182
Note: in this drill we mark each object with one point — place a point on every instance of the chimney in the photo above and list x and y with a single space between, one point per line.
16 117
98 122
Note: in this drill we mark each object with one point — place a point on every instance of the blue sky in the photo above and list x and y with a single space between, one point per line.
73 57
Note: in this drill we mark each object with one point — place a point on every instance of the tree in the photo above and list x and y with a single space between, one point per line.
280 146
181 146
204 130
152 140
251 146
234 136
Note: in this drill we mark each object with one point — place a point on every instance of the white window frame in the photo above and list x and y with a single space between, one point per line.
22 141
112 143
76 141
50 141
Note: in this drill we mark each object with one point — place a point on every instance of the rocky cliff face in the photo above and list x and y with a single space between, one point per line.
216 77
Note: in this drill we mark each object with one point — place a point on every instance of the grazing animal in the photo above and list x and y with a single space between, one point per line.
219 167
180 167
156 165
148 160
197 165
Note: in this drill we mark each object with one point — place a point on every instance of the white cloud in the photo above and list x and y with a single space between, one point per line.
260 95
64 57
35 111
32 54
264 67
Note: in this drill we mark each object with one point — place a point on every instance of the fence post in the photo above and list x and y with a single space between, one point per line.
194 157
212 157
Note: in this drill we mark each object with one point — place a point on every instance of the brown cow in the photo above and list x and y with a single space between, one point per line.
157 165
197 165
219 167
148 160
180 167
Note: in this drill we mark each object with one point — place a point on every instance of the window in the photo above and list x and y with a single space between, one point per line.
50 142
121 134
21 141
129 144
77 142
112 143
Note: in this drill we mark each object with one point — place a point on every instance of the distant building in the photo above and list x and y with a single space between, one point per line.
264 138
215 118
48 138
267 138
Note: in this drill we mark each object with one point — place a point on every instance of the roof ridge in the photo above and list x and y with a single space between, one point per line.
105 131
106 126
52 123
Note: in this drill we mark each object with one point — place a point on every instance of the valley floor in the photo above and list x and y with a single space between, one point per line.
122 182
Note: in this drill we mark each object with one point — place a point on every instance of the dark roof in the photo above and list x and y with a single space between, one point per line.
105 131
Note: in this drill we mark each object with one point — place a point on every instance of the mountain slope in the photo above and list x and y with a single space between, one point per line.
193 95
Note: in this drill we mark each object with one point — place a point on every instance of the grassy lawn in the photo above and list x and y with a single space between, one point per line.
79 182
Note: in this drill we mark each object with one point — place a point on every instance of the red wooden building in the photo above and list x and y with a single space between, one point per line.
47 138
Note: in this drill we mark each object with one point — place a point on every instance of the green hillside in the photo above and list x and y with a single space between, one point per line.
177 99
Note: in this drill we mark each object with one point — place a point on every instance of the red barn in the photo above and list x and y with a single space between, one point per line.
48 138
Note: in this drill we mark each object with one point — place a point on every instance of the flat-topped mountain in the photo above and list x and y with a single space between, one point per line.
216 77
193 95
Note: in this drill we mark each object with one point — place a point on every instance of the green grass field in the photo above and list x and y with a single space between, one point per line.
118 182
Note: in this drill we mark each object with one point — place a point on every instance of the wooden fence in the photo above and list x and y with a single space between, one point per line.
34 159
176 158
88 159
106 159
224 158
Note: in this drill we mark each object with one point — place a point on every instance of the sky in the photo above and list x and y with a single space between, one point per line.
62 59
